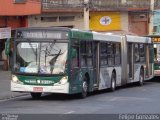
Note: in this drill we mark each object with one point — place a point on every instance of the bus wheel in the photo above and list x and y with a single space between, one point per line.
141 78
36 95
83 94
113 82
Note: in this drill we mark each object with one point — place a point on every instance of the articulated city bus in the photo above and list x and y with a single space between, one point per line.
156 42
70 61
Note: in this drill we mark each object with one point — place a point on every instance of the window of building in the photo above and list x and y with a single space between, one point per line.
19 1
154 29
48 19
66 18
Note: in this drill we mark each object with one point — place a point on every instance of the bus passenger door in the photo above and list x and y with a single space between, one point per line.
130 61
96 63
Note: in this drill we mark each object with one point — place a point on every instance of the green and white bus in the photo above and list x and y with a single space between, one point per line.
156 42
70 61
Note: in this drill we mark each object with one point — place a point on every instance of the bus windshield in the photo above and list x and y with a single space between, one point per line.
41 57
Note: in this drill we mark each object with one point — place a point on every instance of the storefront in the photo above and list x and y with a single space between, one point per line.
14 14
5 33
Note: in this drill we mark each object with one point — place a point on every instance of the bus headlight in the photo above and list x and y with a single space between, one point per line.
15 78
64 80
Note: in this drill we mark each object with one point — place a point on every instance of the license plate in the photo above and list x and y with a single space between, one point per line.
38 89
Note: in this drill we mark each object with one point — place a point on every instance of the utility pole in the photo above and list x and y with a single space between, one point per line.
86 14
151 17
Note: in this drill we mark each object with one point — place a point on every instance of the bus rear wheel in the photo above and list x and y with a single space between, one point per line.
36 95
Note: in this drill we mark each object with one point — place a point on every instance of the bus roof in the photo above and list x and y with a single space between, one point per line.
138 39
91 35
81 34
106 37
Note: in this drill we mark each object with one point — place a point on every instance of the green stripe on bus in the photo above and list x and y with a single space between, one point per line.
38 80
82 35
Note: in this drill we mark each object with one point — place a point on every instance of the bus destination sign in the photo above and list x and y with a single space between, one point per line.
43 34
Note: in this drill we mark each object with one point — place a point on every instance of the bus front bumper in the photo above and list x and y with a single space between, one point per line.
15 87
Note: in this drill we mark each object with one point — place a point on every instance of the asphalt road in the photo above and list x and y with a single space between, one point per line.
130 99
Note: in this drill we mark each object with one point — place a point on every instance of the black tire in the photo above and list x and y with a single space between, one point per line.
141 78
84 92
36 95
113 82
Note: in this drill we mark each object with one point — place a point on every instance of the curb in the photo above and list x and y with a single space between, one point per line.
11 96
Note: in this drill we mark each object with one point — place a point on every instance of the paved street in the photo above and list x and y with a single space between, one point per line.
128 99
5 93
70 46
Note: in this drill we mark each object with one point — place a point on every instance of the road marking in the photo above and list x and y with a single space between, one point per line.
70 112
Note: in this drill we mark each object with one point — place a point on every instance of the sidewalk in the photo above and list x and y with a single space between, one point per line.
5 93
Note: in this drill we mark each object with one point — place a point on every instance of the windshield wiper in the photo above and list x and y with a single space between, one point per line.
53 60
48 51
35 52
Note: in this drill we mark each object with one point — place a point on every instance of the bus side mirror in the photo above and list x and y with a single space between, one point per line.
74 53
7 47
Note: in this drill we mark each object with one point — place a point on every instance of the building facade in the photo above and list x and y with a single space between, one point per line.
131 16
156 23
14 14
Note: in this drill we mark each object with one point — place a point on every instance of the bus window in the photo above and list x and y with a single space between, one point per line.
89 48
142 53
83 47
103 54
86 54
89 54
117 54
110 54
75 57
136 53
83 53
